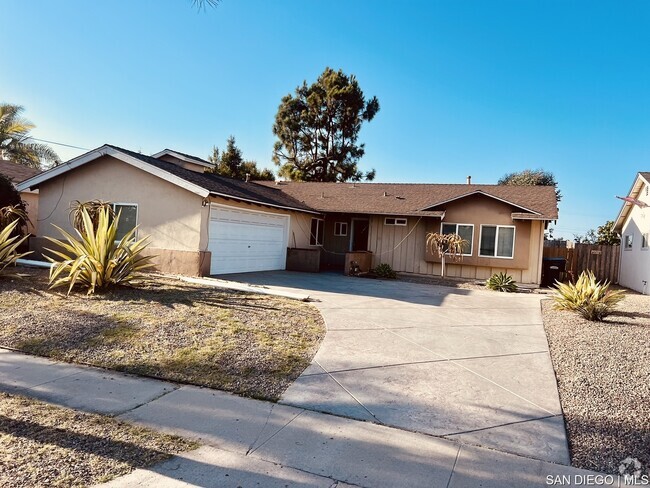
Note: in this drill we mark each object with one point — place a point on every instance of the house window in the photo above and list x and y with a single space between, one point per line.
316 235
466 231
341 229
644 241
627 243
128 218
395 221
497 241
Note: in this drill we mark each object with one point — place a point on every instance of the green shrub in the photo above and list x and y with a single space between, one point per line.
95 259
590 298
9 247
385 271
501 282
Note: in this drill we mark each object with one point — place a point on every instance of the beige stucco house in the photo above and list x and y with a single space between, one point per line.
202 223
634 228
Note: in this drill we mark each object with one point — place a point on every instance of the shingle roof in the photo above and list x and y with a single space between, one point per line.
412 199
16 172
189 156
220 185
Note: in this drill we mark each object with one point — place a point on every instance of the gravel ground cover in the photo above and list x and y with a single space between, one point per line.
603 374
254 345
43 445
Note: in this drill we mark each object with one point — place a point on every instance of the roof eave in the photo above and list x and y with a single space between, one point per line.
481 192
182 157
623 213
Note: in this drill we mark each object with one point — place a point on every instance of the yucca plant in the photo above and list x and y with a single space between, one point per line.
9 248
452 245
93 207
95 260
501 282
590 298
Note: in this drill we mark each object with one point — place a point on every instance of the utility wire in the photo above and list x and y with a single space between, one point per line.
58 143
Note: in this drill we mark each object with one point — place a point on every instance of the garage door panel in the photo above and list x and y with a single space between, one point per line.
242 241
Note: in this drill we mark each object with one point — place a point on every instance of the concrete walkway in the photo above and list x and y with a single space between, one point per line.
469 365
253 443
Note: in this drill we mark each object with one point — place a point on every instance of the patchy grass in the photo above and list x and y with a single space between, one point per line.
44 445
254 345
603 374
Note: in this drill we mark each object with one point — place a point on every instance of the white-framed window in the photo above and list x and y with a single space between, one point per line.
340 228
497 241
644 241
466 231
395 221
128 218
316 234
627 241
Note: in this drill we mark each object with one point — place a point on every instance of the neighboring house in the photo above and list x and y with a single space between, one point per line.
207 224
633 225
18 173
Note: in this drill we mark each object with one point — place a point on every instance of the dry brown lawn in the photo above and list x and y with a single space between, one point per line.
603 373
44 445
249 344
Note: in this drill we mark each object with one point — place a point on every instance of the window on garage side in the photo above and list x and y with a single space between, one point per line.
465 231
627 241
128 218
316 234
340 228
497 241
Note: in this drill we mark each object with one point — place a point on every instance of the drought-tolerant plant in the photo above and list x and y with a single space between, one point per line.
95 260
9 247
93 207
444 245
501 282
590 298
11 214
384 270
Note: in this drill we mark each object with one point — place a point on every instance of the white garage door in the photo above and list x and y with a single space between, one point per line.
244 240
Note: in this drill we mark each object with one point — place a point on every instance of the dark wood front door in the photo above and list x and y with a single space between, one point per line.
360 233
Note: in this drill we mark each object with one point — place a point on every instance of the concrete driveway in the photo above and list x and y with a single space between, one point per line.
467 365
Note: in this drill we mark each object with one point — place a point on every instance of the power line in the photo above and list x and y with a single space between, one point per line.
59 144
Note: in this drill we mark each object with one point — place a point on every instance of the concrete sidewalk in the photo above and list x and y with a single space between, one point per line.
253 443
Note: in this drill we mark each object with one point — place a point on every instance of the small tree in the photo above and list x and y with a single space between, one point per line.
531 177
444 245
230 163
606 234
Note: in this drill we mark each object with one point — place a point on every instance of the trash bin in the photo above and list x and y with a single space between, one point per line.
552 270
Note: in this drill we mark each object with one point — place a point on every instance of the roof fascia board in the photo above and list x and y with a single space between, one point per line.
622 214
169 152
109 151
481 192
257 202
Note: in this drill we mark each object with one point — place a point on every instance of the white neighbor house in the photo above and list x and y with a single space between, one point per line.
633 224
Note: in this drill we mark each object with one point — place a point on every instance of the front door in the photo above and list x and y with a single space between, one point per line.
360 233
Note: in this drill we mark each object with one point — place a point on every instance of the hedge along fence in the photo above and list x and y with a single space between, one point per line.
602 260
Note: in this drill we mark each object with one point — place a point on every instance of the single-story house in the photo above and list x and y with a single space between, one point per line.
201 223
18 173
634 228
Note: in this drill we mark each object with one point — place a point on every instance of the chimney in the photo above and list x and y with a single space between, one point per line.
248 177
469 180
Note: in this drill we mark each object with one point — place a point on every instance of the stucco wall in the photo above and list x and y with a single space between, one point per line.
411 255
635 262
31 199
169 214
183 164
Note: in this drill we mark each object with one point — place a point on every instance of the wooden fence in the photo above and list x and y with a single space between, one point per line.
603 260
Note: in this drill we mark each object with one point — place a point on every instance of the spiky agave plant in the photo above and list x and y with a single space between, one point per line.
9 248
590 298
95 260
93 207
501 282
13 213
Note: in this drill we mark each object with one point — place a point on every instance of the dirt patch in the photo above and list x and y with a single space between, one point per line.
43 445
250 344
603 373
439 281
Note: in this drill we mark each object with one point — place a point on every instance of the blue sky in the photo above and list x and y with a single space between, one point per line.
466 88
